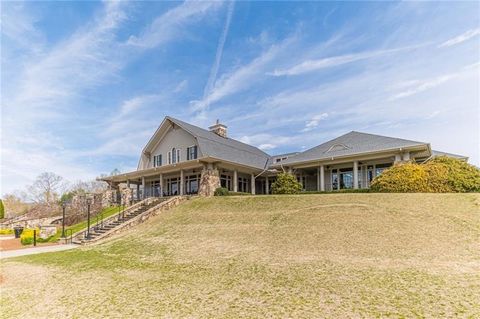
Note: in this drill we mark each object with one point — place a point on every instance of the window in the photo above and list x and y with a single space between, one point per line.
243 184
169 157
191 152
174 155
226 182
157 160
178 156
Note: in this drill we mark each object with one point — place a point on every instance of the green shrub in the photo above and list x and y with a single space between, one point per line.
6 231
2 210
440 175
221 191
286 184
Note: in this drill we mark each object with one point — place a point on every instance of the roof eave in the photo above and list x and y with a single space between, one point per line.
325 159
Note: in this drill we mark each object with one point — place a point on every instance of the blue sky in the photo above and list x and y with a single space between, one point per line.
85 84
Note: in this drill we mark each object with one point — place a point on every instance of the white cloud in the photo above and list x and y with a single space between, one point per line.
313 123
461 38
267 146
318 64
218 56
418 86
181 86
167 27
242 77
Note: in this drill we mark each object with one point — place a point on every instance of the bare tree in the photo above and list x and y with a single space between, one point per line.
14 205
92 186
46 189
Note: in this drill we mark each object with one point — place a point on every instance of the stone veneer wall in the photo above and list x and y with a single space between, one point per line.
127 196
109 198
209 181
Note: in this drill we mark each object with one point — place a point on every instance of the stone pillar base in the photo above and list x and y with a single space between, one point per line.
209 182
127 196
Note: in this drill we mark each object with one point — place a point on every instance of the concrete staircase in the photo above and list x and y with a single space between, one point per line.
131 216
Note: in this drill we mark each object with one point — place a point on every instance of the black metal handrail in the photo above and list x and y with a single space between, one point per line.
71 235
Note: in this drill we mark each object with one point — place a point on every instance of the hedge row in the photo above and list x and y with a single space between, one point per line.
440 175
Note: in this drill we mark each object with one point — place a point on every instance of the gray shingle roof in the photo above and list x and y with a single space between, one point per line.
439 153
351 144
227 149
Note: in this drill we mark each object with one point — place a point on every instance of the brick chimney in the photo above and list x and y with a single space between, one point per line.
219 129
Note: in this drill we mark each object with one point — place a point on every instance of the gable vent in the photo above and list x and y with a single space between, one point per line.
337 147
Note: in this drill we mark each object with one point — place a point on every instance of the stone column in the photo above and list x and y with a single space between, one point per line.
209 181
355 174
267 187
128 183
322 178
182 182
161 185
143 186
252 182
338 179
406 156
235 181
398 158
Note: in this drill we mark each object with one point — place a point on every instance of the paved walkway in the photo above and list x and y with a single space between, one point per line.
35 250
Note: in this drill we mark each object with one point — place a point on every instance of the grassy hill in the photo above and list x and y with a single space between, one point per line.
340 255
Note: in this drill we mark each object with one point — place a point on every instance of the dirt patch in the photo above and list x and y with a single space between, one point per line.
14 244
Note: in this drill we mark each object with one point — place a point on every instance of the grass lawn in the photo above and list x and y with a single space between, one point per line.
311 256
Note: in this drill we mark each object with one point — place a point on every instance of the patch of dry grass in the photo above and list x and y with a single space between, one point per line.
342 255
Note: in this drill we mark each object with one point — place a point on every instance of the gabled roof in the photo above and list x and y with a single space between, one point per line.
352 143
439 153
228 149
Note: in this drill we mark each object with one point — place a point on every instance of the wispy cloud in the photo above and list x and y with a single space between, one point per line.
168 26
314 65
313 123
218 56
242 77
418 86
461 38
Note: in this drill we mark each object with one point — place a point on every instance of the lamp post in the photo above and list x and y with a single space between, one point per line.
64 205
89 201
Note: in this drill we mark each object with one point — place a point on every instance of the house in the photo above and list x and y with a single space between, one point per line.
181 158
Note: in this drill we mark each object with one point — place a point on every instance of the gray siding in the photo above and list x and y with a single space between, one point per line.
176 138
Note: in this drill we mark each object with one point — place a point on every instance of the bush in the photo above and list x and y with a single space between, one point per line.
440 175
26 238
286 184
2 210
461 177
6 231
221 191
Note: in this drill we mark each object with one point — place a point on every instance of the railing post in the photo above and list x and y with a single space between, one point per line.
34 237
